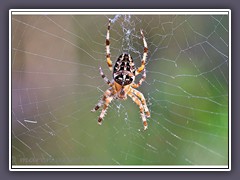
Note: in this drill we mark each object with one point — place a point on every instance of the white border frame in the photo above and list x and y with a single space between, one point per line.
117 11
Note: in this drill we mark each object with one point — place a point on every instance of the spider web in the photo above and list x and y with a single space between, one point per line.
56 82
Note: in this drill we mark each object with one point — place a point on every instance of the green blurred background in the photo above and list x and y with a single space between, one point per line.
55 84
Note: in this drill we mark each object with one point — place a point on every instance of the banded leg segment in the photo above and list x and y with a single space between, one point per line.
141 80
145 51
106 95
105 78
104 110
143 100
108 55
138 102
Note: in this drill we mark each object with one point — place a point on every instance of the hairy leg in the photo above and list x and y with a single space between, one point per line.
138 102
106 94
145 51
104 110
105 78
141 80
108 55
143 100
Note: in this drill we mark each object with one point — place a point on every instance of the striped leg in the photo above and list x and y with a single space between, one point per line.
141 97
106 95
109 62
145 51
104 110
138 102
141 80
105 78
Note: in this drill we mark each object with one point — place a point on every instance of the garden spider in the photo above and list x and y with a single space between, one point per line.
122 84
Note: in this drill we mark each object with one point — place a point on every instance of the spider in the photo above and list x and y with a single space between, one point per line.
122 84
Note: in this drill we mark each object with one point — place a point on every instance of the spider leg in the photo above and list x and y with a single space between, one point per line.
105 78
142 98
108 55
106 94
104 110
145 51
138 102
141 80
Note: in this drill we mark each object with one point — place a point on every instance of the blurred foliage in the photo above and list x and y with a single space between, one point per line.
55 83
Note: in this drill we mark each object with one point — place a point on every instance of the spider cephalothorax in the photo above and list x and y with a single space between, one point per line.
122 85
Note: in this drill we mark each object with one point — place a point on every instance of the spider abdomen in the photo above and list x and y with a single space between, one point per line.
124 70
